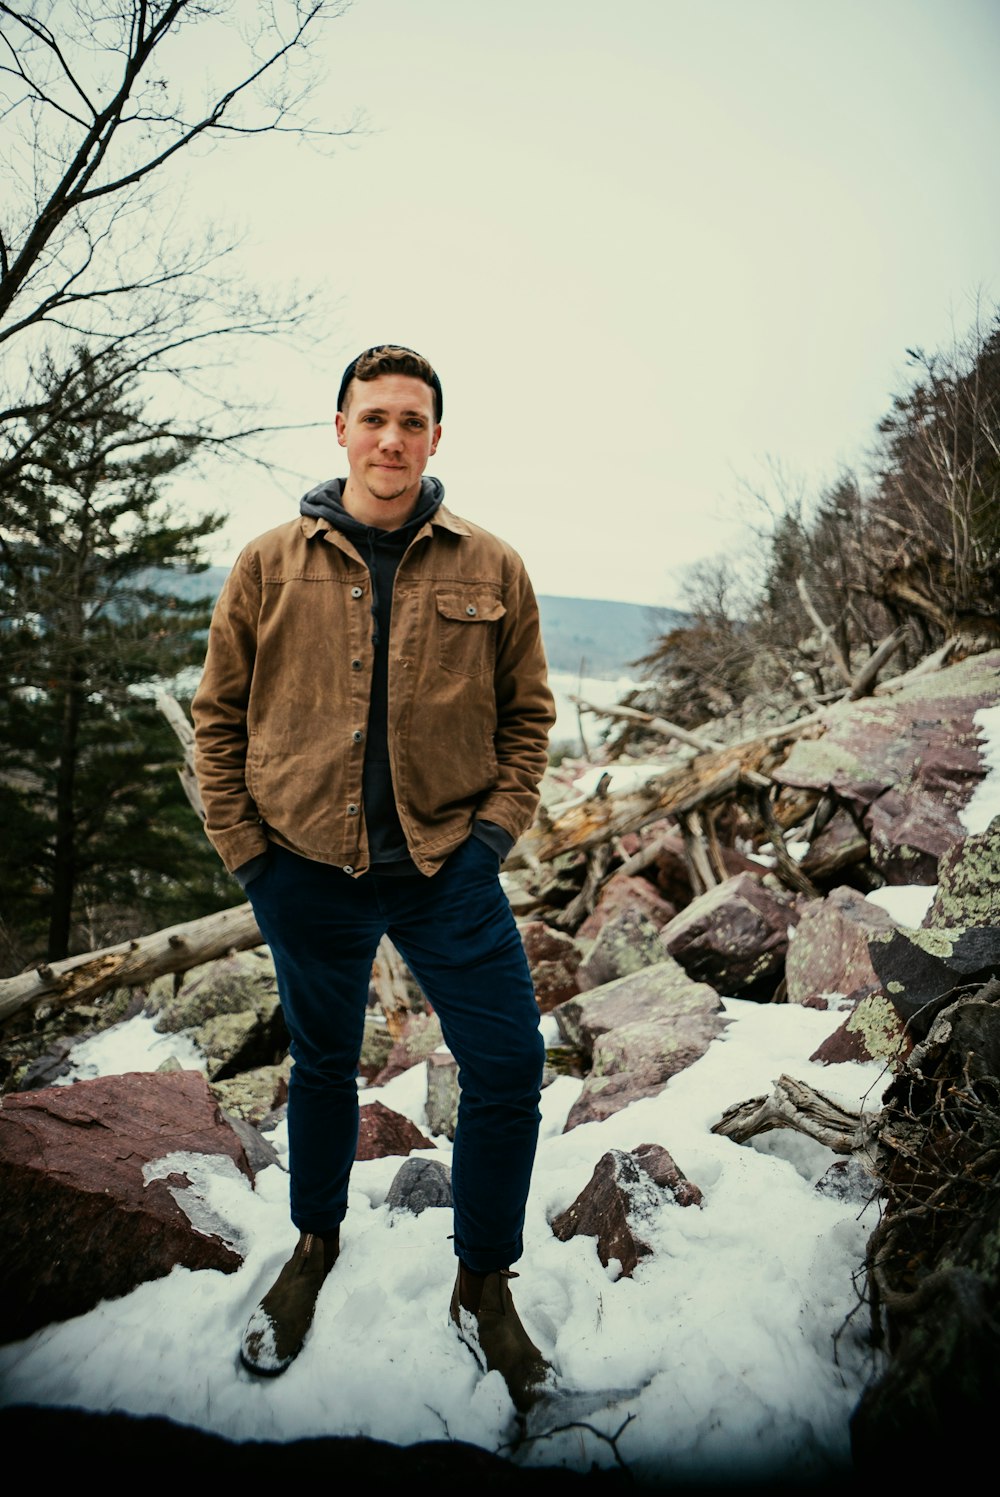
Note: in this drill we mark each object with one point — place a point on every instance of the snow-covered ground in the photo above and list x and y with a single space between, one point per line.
737 1347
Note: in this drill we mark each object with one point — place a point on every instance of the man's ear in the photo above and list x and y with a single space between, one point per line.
435 439
342 429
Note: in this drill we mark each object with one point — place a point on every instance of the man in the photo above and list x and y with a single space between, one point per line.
371 728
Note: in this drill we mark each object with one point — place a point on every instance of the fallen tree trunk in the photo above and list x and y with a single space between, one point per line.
175 949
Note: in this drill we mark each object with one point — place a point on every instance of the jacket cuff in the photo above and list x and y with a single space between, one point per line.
494 836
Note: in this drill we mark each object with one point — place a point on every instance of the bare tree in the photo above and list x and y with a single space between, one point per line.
96 117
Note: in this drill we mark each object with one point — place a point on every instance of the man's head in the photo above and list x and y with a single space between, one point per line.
389 358
388 419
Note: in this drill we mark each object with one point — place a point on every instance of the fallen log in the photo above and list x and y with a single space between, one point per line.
175 949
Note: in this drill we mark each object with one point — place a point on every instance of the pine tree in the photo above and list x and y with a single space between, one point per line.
99 841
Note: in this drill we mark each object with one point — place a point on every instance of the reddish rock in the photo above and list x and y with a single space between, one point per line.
90 1208
625 1192
629 941
907 761
554 958
673 877
874 1030
829 951
839 845
637 1032
734 936
627 892
382 1132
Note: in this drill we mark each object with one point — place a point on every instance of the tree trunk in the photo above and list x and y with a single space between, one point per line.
64 852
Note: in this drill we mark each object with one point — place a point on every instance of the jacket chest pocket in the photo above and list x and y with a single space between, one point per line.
466 630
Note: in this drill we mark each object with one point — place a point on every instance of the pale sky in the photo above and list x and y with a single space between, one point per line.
647 246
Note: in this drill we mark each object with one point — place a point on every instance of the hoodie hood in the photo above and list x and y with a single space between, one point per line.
325 502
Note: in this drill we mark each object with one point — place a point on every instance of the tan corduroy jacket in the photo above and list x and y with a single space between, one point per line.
282 708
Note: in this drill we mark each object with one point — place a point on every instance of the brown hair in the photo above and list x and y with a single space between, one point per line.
391 358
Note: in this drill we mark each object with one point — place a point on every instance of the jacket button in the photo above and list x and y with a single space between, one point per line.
357 592
352 809
347 868
357 735
355 665
471 611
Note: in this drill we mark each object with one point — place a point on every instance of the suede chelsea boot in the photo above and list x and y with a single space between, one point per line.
483 1311
278 1326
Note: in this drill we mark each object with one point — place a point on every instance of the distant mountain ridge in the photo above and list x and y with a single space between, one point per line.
587 636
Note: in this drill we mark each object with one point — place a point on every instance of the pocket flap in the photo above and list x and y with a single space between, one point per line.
470 607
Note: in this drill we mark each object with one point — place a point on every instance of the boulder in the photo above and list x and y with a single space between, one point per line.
382 1132
625 1192
907 760
638 1032
419 1184
254 1095
553 957
968 891
100 1184
828 953
734 936
442 1094
229 1008
873 1030
421 1036
627 893
628 941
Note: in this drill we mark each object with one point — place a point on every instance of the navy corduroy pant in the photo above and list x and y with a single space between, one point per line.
457 935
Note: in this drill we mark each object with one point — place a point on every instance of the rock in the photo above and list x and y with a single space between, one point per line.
421 1036
553 957
847 1180
968 891
828 953
254 1095
907 761
734 936
418 1184
382 1132
627 893
230 1009
625 1192
638 1032
260 1153
100 1183
442 1094
376 1046
628 941
874 1030
839 845
920 968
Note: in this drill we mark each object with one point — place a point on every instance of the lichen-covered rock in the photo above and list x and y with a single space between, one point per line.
243 981
907 761
829 950
968 891
638 1032
628 941
873 1030
253 1095
419 1184
442 1094
734 936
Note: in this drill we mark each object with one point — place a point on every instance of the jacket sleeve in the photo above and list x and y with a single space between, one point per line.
219 710
525 711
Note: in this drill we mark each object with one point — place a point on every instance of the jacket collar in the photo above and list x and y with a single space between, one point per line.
313 525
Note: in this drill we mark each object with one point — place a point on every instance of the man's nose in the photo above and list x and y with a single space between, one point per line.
392 436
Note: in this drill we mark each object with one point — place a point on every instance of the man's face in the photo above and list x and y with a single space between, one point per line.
389 432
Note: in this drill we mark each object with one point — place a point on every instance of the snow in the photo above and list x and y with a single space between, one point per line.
738 1347
738 1342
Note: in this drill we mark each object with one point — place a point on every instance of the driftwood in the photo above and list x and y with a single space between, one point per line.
176 717
825 632
176 949
801 1108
